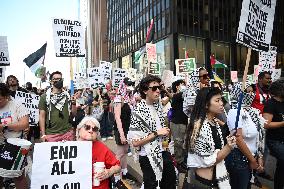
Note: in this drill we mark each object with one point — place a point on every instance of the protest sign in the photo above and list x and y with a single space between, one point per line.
185 65
234 76
250 78
118 75
2 74
267 60
276 74
227 97
69 38
80 80
31 102
4 52
167 78
95 77
154 68
256 24
255 72
132 74
151 52
106 68
62 165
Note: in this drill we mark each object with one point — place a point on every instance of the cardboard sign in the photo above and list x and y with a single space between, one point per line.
80 80
62 165
69 40
95 77
267 60
185 66
4 52
167 78
151 52
132 74
256 24
154 68
31 102
106 68
276 74
118 75
234 76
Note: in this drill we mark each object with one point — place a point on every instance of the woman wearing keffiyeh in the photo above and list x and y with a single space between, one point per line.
248 155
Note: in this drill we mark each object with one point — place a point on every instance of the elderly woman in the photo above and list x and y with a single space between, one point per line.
87 130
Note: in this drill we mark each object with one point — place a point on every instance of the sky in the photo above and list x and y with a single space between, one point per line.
28 25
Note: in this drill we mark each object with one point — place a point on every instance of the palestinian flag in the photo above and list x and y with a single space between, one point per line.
35 60
220 65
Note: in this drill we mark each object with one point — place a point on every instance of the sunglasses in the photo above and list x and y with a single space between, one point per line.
154 88
89 127
57 79
205 76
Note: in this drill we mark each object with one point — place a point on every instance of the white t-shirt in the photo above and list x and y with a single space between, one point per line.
158 125
248 127
12 113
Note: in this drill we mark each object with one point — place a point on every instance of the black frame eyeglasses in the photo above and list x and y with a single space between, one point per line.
154 88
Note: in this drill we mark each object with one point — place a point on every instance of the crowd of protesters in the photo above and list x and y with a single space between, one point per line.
188 128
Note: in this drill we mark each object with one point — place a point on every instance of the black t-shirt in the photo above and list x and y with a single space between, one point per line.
275 108
178 116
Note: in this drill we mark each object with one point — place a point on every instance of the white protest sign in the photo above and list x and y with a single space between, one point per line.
267 60
151 52
167 78
68 37
132 74
256 24
31 102
80 80
276 74
62 165
106 68
234 76
4 52
118 75
95 77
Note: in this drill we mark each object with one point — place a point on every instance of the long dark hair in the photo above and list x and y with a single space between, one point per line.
198 113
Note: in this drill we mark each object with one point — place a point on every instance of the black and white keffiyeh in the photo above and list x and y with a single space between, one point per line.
58 99
138 131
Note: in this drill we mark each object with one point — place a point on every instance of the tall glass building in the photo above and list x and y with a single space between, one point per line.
194 28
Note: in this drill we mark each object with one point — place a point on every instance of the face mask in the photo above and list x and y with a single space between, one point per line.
182 88
58 84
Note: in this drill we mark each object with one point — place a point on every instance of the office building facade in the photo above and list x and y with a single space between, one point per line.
193 28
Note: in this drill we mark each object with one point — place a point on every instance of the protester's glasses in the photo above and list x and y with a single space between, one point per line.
154 88
205 76
89 127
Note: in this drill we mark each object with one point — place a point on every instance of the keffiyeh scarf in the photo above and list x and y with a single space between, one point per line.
58 100
142 124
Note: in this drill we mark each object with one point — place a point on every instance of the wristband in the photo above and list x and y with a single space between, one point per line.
155 133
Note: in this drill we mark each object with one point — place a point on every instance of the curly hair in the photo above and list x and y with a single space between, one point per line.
277 88
199 113
144 84
176 84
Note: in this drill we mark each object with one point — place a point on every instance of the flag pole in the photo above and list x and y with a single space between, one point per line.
243 88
